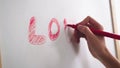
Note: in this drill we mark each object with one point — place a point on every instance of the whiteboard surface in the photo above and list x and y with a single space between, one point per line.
16 50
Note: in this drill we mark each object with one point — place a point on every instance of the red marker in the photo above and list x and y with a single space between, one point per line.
99 32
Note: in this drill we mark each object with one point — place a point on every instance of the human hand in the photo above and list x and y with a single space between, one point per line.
96 44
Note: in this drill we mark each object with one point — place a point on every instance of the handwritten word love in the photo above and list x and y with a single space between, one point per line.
40 39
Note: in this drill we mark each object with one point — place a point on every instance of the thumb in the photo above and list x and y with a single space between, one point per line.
85 30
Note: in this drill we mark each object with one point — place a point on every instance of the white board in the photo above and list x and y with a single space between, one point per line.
18 52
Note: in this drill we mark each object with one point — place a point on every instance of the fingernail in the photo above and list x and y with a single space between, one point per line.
79 27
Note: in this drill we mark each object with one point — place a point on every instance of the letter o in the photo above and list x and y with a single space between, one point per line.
51 35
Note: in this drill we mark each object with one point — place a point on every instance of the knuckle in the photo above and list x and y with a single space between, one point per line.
85 29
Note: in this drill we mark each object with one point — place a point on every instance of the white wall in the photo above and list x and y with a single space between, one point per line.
17 52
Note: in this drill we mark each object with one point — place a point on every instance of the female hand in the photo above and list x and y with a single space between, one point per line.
96 43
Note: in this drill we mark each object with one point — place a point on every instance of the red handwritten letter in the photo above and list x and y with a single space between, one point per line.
33 38
51 35
65 23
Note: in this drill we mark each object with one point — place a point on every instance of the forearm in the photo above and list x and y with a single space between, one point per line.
109 61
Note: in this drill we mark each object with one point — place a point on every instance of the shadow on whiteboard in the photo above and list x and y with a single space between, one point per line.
69 53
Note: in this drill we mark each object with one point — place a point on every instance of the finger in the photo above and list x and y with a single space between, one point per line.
86 31
85 21
76 36
94 23
90 22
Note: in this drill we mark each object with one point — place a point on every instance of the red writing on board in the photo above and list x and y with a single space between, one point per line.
33 38
51 35
41 39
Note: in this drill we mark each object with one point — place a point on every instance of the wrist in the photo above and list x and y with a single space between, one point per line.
108 60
